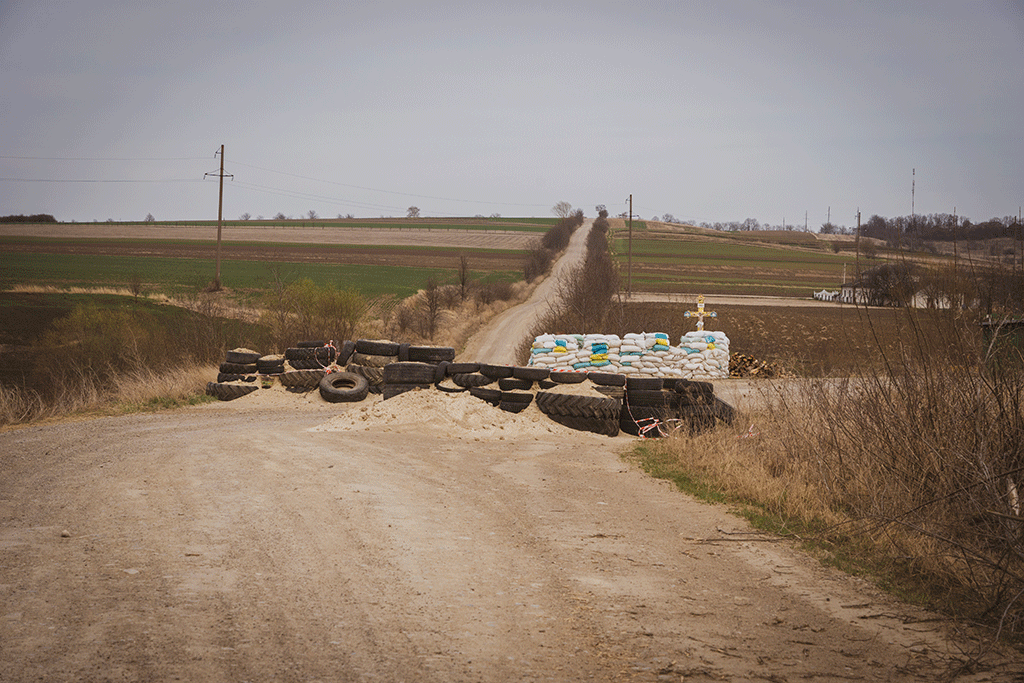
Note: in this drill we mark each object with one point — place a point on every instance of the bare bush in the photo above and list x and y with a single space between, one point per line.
304 310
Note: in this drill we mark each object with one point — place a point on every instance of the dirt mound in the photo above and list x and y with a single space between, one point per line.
438 413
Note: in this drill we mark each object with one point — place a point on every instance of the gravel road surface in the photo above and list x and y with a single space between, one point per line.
240 542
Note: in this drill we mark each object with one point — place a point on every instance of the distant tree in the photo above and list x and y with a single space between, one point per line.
149 218
259 218
828 229
495 215
463 276
311 215
669 218
601 208
836 247
413 212
245 216
135 284
280 216
562 209
348 215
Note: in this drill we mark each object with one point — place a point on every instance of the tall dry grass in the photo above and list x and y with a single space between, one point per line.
914 469
140 388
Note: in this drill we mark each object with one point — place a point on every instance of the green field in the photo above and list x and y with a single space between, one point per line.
182 274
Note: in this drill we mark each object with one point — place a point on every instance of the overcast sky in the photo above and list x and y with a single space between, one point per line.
710 111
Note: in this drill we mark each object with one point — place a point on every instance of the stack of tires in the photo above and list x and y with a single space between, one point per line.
412 367
237 376
588 413
503 386
654 406
307 363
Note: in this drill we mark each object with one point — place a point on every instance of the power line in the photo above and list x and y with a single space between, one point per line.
95 180
105 158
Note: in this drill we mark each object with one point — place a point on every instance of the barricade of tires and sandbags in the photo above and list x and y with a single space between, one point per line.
700 355
593 401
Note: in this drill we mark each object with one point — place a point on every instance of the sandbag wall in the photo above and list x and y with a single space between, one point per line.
700 355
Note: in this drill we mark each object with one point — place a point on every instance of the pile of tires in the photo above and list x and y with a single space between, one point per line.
406 367
237 376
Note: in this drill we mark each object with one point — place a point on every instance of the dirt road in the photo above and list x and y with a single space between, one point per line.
497 341
247 541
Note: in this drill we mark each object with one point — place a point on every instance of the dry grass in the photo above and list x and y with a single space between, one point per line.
912 473
143 388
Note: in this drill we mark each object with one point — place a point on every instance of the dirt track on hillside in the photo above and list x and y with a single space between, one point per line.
239 542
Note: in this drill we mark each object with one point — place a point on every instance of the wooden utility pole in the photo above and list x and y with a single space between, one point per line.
857 249
629 260
220 214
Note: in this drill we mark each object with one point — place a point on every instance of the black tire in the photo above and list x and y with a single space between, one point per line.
546 384
374 376
241 357
409 373
371 360
239 368
343 387
472 379
618 393
308 379
512 407
669 383
306 364
567 377
431 354
441 371
345 352
605 427
492 396
689 386
511 383
449 390
403 353
495 371
392 390
532 374
652 421
516 397
227 377
324 354
650 397
377 348
311 344
273 364
462 368
607 379
574 405
229 392
645 383
723 411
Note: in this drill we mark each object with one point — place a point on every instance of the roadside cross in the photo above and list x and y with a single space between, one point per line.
700 313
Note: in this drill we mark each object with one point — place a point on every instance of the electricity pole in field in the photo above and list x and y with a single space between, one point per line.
629 260
220 212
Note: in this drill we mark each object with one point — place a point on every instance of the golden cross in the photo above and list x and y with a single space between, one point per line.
700 314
